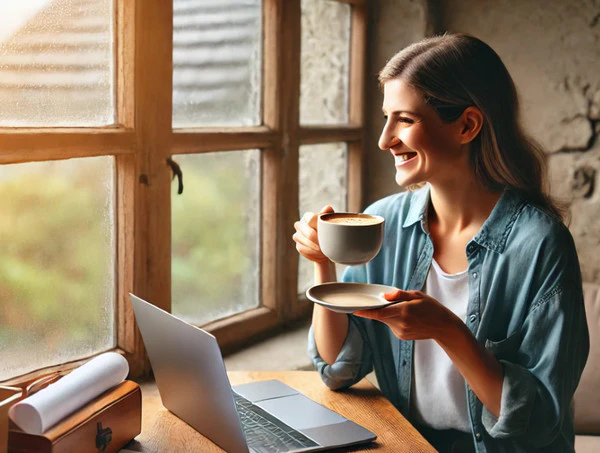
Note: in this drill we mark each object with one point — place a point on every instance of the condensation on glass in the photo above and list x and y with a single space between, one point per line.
57 261
325 57
323 178
57 63
217 55
215 255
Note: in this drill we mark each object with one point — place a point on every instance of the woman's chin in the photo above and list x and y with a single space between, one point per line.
405 182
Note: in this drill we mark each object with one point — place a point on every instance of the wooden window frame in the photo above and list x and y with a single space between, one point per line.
143 140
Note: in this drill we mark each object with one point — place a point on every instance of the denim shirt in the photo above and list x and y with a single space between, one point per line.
525 306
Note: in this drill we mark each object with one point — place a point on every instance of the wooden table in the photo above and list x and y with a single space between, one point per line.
163 432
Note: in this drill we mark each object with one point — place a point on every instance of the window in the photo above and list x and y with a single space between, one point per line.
93 129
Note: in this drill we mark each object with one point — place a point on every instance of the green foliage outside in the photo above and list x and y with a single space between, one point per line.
57 252
56 256
215 236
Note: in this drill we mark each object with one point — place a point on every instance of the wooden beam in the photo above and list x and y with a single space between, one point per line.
353 2
185 141
128 338
271 156
153 74
309 135
125 59
356 149
281 107
28 145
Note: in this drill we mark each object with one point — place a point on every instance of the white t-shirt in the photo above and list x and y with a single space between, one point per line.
438 397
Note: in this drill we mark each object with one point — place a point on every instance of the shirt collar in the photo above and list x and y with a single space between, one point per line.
418 206
494 231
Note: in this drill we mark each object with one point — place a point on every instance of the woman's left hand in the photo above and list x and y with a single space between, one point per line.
415 316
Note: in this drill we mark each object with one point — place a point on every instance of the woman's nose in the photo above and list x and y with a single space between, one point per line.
387 138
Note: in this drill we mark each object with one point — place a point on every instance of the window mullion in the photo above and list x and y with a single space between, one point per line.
153 73
356 149
280 164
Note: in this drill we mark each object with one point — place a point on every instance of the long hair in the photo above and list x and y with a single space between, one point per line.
455 71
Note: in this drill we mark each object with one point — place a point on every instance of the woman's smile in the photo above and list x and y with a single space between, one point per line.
403 158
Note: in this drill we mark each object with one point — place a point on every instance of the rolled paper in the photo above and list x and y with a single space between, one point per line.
42 410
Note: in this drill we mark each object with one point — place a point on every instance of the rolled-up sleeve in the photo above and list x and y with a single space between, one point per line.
352 363
543 372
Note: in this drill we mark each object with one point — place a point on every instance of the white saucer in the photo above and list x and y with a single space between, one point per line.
349 297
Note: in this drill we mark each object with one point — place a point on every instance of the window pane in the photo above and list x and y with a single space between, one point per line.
56 262
325 60
56 63
323 181
217 53
216 236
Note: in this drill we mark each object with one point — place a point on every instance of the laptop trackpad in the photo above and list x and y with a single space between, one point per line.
300 412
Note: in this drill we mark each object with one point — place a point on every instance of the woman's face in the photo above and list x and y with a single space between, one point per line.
425 148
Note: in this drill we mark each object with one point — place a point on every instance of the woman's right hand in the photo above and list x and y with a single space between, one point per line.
330 328
306 238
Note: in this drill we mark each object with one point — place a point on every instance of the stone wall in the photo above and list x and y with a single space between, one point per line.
552 50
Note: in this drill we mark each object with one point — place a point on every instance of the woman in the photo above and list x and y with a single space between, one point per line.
488 273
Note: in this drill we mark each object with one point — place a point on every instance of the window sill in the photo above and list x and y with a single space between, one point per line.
284 351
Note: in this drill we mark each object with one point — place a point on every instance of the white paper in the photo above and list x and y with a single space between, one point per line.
42 410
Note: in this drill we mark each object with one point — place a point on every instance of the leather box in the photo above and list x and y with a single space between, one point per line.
104 425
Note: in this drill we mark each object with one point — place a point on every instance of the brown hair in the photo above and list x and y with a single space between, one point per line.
455 71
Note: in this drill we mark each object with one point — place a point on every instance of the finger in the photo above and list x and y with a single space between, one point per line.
312 221
310 254
398 294
307 216
309 233
396 310
302 240
370 314
326 209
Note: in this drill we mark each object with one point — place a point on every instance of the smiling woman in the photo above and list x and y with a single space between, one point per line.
487 340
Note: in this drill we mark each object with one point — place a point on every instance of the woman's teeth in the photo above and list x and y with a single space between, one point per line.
404 157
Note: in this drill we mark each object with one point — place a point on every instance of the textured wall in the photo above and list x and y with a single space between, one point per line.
552 50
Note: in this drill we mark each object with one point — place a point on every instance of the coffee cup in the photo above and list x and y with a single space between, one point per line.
350 238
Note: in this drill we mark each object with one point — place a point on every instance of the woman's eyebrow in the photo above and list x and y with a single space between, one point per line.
399 112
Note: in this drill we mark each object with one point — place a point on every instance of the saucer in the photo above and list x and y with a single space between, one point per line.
349 297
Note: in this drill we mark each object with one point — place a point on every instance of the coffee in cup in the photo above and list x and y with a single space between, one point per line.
350 238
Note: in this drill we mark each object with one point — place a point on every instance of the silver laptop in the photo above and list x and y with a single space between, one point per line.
259 417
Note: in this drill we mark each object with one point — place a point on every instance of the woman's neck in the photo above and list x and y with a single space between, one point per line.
455 217
459 208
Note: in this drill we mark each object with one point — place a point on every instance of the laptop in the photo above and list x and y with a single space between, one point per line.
258 417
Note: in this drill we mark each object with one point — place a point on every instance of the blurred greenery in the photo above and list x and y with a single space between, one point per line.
56 261
215 236
57 252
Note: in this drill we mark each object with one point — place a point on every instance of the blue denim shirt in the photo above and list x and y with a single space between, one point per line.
525 306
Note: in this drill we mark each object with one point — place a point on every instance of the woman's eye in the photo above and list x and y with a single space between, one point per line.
402 119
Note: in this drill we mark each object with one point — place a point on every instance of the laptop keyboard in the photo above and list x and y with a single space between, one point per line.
266 434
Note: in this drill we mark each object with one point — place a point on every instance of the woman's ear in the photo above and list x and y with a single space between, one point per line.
471 122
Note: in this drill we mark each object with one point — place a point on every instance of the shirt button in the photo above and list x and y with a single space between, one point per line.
474 274
472 318
478 437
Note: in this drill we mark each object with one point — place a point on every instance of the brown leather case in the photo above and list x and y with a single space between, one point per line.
104 425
